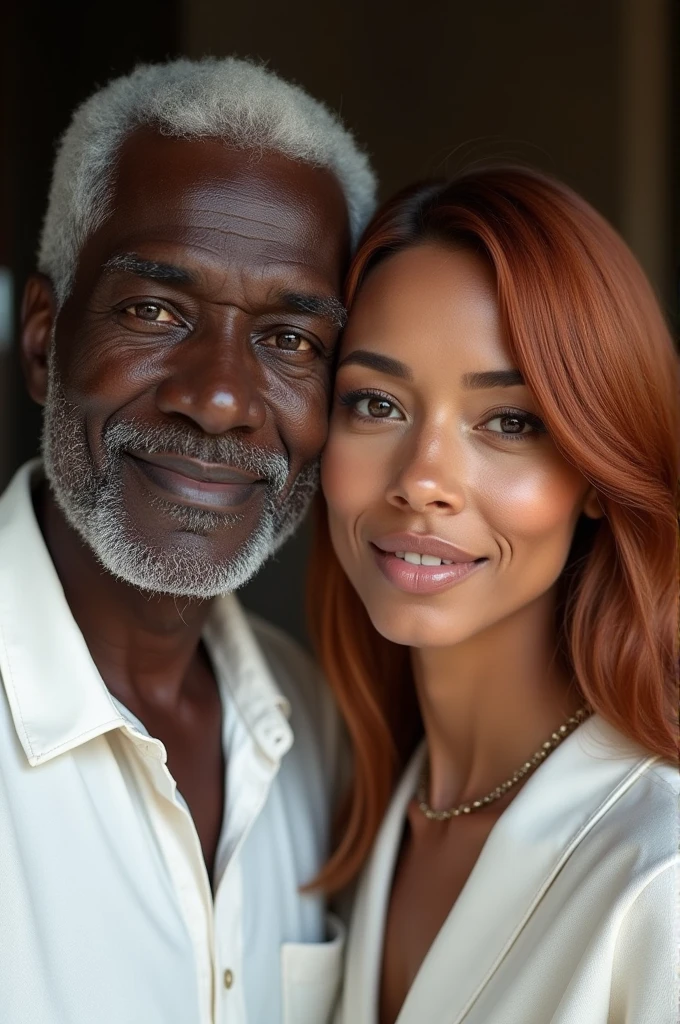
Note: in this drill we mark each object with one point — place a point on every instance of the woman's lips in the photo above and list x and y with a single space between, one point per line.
422 579
423 544
189 482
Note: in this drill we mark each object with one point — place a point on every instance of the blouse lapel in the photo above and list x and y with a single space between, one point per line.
364 954
528 845
525 850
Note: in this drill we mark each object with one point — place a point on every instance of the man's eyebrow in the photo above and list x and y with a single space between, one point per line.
131 263
493 379
379 362
317 305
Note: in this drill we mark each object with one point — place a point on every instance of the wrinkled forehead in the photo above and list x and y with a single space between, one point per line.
230 205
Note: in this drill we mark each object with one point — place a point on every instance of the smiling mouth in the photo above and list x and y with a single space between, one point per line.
413 558
435 566
187 481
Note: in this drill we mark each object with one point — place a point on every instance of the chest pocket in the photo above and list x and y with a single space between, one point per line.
311 974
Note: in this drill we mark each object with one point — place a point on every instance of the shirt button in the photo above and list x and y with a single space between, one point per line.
228 978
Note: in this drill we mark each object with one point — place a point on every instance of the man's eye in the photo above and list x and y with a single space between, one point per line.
151 312
289 341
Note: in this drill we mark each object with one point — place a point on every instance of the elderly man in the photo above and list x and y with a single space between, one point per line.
157 815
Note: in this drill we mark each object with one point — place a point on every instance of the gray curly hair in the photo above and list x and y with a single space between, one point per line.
240 101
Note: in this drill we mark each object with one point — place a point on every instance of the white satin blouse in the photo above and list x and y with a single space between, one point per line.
571 914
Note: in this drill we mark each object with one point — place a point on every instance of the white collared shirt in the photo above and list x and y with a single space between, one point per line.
106 910
571 914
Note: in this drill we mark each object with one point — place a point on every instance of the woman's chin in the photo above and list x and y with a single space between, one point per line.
417 628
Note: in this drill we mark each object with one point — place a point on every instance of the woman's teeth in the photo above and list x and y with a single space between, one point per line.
416 559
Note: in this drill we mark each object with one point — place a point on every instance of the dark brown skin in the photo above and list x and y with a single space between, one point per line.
444 460
249 232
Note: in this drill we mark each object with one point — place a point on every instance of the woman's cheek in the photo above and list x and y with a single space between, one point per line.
351 474
542 503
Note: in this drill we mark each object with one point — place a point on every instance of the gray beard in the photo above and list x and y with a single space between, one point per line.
92 501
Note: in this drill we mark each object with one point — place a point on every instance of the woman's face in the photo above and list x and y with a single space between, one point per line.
450 508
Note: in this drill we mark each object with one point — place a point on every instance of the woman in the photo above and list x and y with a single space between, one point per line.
494 597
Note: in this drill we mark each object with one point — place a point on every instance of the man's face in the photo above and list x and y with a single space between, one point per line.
189 369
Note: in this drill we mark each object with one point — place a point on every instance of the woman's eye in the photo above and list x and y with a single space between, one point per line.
515 424
151 312
289 341
377 408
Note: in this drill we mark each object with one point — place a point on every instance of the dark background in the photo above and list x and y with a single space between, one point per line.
585 89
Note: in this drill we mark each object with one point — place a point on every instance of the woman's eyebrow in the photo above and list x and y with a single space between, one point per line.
493 379
395 368
376 361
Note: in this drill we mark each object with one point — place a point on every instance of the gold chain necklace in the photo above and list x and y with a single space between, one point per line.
475 805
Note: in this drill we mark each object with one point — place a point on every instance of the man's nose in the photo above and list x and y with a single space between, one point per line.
216 383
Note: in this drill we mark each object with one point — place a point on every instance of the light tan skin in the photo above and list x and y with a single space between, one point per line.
441 463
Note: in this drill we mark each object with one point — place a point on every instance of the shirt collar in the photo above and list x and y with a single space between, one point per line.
246 678
56 695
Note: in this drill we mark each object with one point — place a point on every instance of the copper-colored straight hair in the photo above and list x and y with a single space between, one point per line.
586 332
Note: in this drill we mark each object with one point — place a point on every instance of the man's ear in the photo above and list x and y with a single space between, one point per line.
591 505
38 313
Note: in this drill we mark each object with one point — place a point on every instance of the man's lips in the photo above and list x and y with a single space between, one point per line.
187 481
194 469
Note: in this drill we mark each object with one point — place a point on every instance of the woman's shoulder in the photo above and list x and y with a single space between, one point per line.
646 773
642 816
667 777
655 799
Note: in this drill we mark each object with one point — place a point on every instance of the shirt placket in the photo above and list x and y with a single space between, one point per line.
183 855
268 740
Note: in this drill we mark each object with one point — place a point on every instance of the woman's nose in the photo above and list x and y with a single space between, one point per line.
216 383
427 482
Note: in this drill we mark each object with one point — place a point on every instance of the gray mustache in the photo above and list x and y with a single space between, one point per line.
227 449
